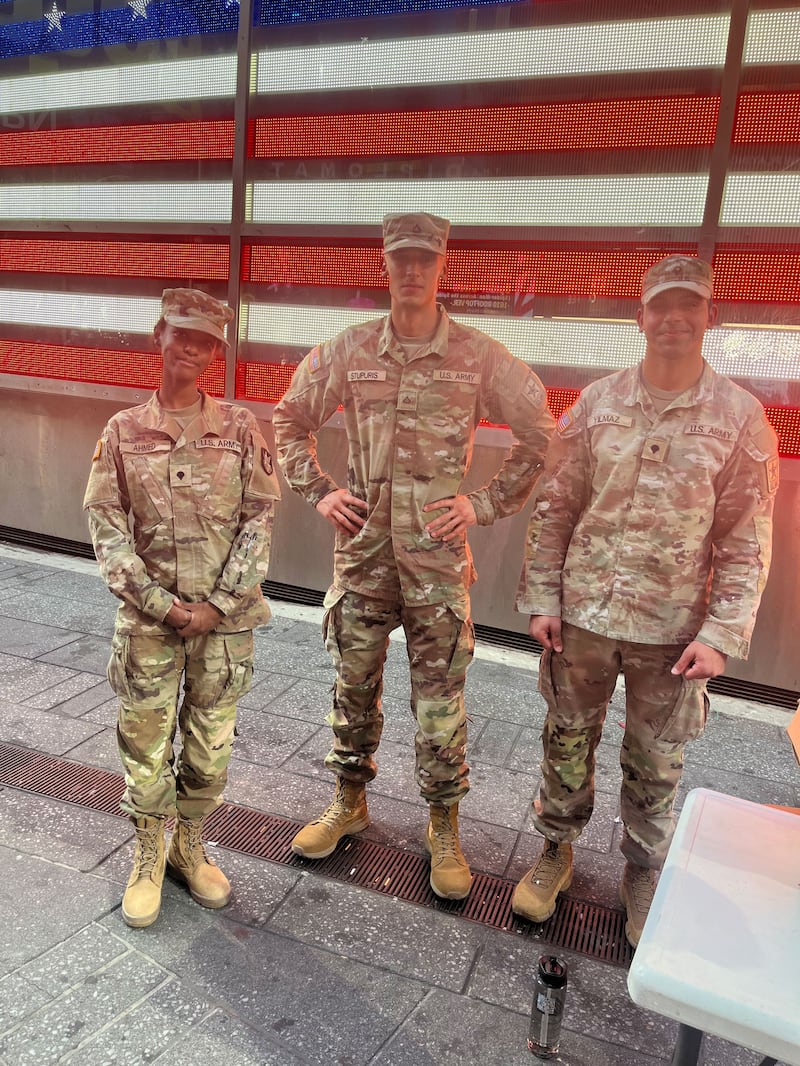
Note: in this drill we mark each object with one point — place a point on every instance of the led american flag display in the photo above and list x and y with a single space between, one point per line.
570 144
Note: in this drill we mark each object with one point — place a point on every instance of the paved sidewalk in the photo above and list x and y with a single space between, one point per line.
300 969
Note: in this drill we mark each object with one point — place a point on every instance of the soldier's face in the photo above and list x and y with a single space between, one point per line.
674 322
414 275
187 352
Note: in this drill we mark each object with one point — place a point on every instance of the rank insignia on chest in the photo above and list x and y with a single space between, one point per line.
180 477
407 400
655 449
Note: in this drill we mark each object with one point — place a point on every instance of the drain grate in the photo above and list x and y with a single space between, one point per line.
586 928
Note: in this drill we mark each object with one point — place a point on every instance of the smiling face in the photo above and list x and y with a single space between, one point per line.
414 275
674 322
186 352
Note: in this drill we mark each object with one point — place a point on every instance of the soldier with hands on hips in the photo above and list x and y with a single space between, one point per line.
414 386
180 504
648 549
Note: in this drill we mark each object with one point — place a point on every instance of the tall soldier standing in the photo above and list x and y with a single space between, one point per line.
648 549
414 386
196 479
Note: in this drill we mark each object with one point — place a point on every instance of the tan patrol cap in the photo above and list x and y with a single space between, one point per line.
193 309
678 272
417 230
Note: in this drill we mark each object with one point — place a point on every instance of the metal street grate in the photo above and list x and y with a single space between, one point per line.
586 928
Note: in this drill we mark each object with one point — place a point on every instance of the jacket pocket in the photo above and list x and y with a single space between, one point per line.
688 717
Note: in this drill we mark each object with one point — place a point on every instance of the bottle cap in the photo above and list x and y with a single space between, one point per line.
553 971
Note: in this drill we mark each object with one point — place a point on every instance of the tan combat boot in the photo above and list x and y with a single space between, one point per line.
347 814
188 862
450 874
142 900
536 895
636 892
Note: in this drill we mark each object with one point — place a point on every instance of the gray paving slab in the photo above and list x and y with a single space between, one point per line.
755 789
55 696
22 678
220 1040
290 630
58 1028
99 750
447 1030
269 739
83 616
29 639
88 653
60 832
42 903
19 998
95 693
28 727
301 992
267 688
276 791
598 1004
758 750
104 714
139 1036
306 699
307 660
499 795
491 741
73 960
381 930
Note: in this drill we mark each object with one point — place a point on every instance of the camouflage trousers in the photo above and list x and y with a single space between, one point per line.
663 712
145 671
440 641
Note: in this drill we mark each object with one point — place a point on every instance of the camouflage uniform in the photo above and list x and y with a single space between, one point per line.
649 531
410 425
201 501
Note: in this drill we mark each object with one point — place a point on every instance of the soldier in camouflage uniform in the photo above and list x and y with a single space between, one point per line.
414 386
196 479
648 549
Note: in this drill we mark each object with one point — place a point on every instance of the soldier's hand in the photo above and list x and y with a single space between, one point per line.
546 628
459 514
699 661
179 614
203 618
338 506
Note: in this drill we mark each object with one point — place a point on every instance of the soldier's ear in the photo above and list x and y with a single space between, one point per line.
383 271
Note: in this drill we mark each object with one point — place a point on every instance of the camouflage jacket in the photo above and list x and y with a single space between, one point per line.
655 528
410 428
201 504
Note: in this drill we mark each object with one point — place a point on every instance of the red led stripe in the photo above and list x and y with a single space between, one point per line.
579 272
98 366
786 423
767 118
652 122
135 259
155 142
757 275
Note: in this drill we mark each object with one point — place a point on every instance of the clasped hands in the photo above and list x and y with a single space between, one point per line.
193 619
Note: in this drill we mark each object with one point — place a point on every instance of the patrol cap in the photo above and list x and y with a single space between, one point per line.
678 272
193 309
416 230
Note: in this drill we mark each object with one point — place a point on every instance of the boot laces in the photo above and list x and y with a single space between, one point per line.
642 888
337 809
194 842
551 863
443 831
146 849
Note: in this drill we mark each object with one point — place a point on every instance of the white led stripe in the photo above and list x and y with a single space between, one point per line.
79 311
773 37
761 200
617 200
742 352
183 79
550 51
119 202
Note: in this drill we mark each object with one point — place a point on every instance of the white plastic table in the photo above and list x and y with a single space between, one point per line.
720 950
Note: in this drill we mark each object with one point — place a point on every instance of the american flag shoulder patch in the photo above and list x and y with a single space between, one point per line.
565 421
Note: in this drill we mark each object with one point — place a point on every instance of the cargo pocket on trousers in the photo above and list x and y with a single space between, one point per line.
239 659
464 645
546 686
117 669
688 718
330 624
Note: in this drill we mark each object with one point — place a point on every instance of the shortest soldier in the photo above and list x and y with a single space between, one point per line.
195 479
647 553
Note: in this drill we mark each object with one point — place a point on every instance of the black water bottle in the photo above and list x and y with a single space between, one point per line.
547 1009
